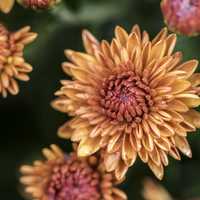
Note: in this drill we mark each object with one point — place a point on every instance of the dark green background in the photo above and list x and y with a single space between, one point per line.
28 123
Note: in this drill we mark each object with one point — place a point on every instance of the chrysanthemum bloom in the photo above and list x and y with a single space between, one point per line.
154 191
182 16
131 97
12 63
6 5
66 177
38 4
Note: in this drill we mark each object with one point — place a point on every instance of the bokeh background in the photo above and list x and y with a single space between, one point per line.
28 123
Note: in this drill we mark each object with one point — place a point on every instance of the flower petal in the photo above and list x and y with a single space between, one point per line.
90 42
189 67
183 146
88 146
157 170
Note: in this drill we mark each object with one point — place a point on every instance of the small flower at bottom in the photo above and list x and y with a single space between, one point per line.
182 16
38 4
67 177
130 98
12 64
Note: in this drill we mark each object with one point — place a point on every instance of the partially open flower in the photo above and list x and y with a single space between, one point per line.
182 16
12 64
66 177
38 4
6 5
131 97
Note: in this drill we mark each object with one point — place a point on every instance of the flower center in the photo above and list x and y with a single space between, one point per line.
125 97
73 180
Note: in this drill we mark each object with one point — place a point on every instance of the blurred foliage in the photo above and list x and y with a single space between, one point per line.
28 123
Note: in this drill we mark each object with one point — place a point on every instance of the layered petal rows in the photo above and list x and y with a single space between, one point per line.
130 98
65 177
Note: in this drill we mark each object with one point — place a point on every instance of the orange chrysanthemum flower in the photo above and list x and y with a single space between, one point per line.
131 97
12 63
66 177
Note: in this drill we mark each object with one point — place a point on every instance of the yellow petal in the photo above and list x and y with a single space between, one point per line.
79 134
180 86
191 102
158 50
194 117
171 42
189 67
121 35
6 5
88 146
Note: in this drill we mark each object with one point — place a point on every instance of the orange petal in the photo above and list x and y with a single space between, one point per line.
65 131
90 42
121 170
136 30
132 43
157 170
195 79
183 146
163 143
155 156
174 153
129 154
112 141
160 36
143 154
